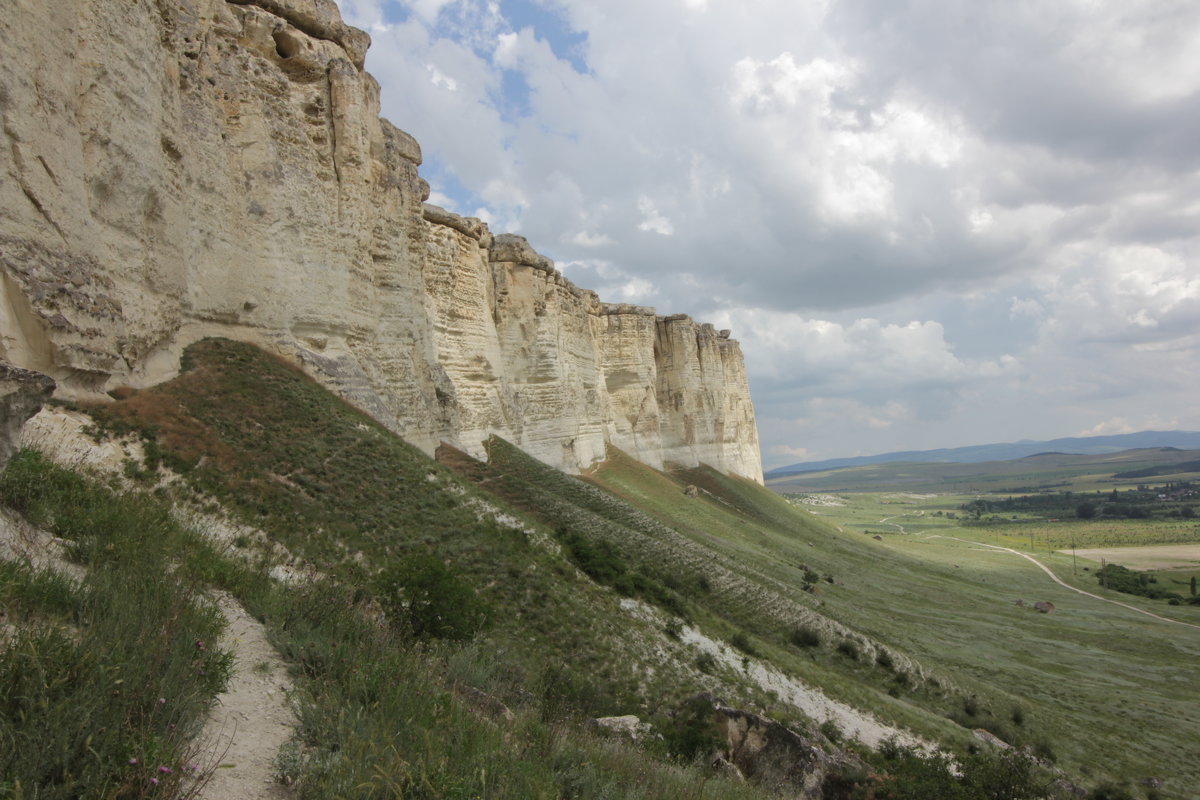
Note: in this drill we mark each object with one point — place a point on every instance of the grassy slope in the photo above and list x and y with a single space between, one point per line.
380 717
1111 692
345 496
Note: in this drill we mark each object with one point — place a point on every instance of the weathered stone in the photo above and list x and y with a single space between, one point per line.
207 168
628 726
320 19
482 703
1044 606
517 250
22 393
727 770
988 737
769 753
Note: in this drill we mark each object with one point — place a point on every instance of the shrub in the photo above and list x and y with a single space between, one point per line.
691 732
565 694
831 731
1110 791
805 636
424 597
848 648
742 642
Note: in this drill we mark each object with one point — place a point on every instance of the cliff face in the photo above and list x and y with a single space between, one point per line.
182 169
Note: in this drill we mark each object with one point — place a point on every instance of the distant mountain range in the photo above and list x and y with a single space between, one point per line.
1083 445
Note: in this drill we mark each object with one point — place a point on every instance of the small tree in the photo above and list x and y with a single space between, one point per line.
1085 510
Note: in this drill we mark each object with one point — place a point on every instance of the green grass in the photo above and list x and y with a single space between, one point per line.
353 500
104 680
923 632
1089 667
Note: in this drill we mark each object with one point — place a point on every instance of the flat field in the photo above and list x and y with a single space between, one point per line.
1154 557
1100 682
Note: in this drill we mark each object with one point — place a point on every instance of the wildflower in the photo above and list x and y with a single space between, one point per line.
133 761
154 781
162 701
165 770
200 645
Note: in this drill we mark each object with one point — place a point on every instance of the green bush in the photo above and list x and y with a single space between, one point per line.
742 642
1110 791
423 597
900 773
1122 579
805 637
691 732
848 648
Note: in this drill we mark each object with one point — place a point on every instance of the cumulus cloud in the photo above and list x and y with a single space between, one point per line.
937 223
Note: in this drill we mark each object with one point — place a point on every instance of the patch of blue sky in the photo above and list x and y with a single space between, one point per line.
567 44
476 24
514 101
395 13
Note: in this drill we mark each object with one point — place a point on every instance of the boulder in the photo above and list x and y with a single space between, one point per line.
769 753
991 738
627 726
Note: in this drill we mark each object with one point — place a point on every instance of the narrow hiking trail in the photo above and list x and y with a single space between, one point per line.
251 719
1063 583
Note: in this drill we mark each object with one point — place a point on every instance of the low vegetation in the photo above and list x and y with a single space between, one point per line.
105 679
451 626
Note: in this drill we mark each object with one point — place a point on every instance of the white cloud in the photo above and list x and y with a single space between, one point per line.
585 239
440 79
986 216
652 220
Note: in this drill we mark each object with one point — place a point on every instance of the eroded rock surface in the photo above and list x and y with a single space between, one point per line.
218 167
22 393
770 753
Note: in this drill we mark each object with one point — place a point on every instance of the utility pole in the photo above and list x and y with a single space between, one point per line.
1073 565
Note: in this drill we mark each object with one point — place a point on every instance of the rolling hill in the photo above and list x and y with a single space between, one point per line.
1081 445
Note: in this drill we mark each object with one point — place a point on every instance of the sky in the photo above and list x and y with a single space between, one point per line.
929 224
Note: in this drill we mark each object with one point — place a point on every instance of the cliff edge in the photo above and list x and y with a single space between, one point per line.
175 170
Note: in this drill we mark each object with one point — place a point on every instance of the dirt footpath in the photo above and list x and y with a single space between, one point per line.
251 719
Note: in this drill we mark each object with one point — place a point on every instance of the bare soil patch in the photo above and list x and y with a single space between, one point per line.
251 719
1150 557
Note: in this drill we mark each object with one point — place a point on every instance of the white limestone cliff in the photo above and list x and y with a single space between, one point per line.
182 169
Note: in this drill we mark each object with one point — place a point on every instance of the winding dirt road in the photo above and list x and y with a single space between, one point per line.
1063 583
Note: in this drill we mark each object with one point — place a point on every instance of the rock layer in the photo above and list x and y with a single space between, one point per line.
219 167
